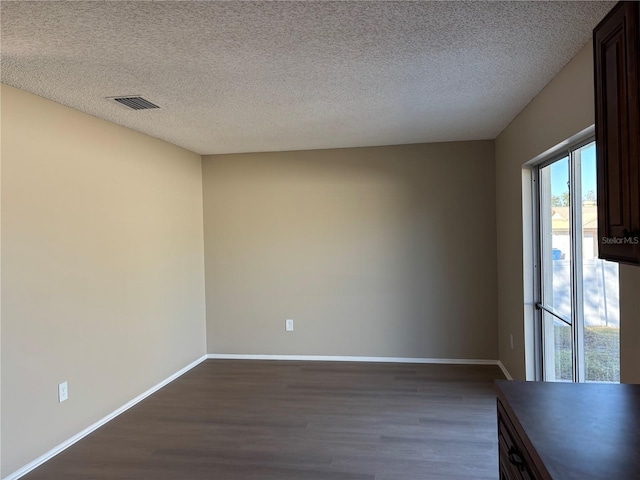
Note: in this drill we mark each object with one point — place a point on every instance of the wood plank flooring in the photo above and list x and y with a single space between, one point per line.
286 420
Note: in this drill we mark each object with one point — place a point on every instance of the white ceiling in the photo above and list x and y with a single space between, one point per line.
266 76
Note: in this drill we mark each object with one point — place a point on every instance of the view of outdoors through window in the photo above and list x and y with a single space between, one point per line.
580 315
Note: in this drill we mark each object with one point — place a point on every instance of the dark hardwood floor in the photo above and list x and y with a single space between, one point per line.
286 420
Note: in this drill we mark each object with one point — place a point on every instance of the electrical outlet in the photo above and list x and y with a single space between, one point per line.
511 340
63 392
288 325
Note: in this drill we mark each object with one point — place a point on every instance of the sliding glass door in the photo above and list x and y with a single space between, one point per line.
578 293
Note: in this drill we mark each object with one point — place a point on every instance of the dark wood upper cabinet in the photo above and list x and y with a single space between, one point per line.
616 44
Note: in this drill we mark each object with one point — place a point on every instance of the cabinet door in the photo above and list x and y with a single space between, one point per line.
616 52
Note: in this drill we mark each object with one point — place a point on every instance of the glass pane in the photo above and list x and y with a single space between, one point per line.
555 241
558 350
601 306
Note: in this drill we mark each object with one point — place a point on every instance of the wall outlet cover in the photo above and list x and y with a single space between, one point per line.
63 392
288 325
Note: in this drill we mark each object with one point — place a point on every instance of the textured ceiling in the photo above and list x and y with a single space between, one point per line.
267 76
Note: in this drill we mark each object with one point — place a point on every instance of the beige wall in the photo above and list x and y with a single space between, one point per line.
102 269
384 251
629 324
0 285
561 110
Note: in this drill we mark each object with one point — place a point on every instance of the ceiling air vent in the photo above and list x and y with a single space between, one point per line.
135 102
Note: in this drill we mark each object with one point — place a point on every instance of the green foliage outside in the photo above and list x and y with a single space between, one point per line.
562 200
602 353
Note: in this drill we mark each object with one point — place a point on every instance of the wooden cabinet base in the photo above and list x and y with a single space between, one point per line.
568 431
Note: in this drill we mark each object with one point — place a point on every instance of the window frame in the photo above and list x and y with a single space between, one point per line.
564 150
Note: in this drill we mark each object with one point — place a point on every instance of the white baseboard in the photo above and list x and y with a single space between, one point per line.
505 371
67 443
330 358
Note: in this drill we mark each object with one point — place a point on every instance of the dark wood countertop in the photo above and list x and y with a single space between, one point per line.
577 431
